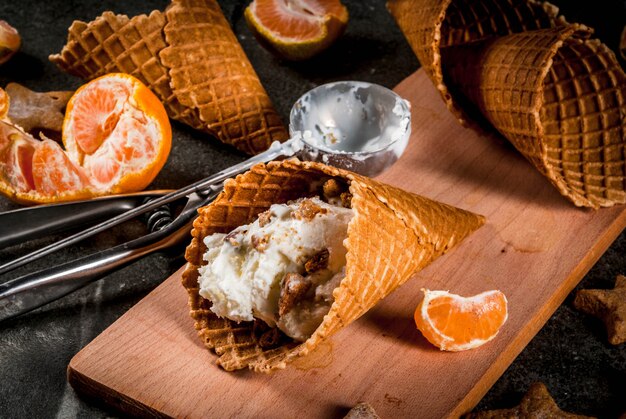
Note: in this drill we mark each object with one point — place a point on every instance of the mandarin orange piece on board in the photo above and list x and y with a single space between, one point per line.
455 323
117 137
296 29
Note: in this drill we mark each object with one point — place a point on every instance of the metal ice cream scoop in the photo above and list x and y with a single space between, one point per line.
354 125
358 126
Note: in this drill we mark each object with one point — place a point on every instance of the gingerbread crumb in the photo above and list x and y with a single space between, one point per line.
536 403
230 238
259 243
346 199
332 189
317 262
609 306
264 218
336 192
293 289
308 210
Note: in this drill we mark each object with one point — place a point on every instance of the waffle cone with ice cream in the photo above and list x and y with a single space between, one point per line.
189 56
392 235
556 95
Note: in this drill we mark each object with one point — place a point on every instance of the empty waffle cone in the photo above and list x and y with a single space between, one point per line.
116 43
392 235
210 72
188 56
430 26
558 97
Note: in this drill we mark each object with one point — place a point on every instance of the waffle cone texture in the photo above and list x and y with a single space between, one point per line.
392 235
190 58
558 96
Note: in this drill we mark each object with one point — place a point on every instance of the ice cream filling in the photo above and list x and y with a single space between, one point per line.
282 268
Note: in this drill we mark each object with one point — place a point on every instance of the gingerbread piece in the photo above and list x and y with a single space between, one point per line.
35 111
536 403
609 306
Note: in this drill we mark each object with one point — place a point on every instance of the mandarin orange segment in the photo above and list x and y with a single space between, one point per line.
52 171
18 164
4 103
455 323
96 114
117 137
296 29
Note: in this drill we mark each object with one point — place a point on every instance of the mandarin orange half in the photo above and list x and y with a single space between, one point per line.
117 137
455 323
296 29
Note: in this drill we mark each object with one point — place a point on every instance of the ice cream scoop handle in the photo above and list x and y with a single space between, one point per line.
203 187
24 224
31 291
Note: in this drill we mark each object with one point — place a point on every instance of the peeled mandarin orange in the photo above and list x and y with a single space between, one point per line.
117 130
455 323
296 29
117 137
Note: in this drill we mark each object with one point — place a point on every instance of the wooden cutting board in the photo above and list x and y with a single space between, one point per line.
535 247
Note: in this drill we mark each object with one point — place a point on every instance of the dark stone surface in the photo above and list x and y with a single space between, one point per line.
570 354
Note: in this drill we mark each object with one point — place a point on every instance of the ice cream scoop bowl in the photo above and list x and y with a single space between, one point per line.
351 125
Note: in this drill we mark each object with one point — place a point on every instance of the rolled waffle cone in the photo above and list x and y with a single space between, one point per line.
559 98
188 56
209 71
392 235
116 43
433 25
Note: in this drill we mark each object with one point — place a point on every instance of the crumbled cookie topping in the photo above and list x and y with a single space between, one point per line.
317 262
308 210
293 289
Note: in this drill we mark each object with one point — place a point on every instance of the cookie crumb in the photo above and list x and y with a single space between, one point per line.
317 262
292 290
308 210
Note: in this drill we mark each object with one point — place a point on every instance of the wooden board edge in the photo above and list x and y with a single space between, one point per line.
98 394
516 346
